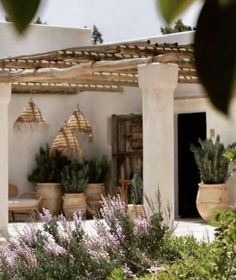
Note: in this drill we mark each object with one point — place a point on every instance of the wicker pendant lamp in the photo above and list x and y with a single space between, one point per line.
78 123
31 117
65 142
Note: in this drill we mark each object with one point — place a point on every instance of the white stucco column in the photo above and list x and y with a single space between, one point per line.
5 96
158 82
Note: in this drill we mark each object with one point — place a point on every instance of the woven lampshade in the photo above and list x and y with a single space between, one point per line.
31 116
78 124
65 142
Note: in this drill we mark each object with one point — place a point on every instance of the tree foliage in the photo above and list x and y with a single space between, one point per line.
179 26
96 36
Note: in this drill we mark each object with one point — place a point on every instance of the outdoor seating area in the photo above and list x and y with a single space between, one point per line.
27 204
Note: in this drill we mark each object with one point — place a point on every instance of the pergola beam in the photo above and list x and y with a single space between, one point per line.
82 69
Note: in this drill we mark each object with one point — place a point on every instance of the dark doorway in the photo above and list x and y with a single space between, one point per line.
190 128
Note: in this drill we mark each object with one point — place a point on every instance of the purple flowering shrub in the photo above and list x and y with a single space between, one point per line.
63 250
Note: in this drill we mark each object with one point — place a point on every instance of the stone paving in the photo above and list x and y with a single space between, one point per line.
195 227
192 227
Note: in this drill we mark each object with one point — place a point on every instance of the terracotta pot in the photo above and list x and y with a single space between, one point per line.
51 196
135 210
94 193
210 198
74 203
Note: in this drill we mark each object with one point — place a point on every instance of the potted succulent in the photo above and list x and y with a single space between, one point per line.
213 168
74 178
47 179
136 209
99 170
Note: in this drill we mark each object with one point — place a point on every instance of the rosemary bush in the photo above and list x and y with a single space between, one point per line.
99 169
48 168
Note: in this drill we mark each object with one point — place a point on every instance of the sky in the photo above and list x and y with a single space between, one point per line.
117 19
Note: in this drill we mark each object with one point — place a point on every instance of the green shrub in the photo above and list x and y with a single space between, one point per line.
48 168
99 169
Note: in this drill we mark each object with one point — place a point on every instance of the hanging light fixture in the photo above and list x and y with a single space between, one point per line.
65 142
79 124
31 117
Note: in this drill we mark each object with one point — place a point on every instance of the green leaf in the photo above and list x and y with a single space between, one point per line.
215 55
21 12
173 8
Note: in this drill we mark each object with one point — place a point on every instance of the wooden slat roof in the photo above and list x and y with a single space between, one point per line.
107 67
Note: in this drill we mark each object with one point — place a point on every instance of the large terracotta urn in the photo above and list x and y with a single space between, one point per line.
74 203
51 196
94 193
135 210
210 199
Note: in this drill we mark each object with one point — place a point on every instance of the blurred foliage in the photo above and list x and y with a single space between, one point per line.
215 43
20 12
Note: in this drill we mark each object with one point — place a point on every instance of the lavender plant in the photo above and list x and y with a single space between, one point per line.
63 250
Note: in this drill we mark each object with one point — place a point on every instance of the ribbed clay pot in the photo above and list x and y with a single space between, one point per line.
94 194
74 203
210 198
51 196
135 210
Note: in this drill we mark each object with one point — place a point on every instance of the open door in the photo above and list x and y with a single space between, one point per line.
190 128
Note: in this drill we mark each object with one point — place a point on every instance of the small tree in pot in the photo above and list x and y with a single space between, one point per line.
213 169
46 176
99 170
74 179
136 208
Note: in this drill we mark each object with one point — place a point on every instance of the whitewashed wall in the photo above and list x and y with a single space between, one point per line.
40 38
97 107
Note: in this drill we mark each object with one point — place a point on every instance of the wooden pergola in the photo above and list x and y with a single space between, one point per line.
155 68
108 67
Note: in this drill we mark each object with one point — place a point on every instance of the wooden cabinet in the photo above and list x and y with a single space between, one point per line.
127 146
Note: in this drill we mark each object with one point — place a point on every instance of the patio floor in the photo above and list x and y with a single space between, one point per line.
191 227
195 227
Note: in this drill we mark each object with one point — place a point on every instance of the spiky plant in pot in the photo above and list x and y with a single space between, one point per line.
213 168
136 209
137 189
46 176
99 170
210 160
48 168
74 179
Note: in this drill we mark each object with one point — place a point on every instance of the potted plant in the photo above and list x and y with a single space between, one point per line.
136 209
99 170
74 178
213 167
47 179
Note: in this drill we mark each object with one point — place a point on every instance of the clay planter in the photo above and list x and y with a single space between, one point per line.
93 194
51 196
135 210
211 198
74 203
